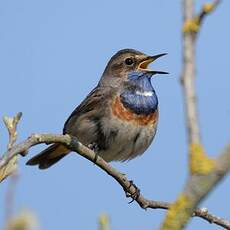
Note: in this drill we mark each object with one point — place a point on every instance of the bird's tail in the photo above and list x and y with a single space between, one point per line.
49 156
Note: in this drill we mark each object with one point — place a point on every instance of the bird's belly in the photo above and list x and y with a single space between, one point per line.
130 141
119 134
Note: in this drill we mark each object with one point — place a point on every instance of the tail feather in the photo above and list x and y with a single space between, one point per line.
49 156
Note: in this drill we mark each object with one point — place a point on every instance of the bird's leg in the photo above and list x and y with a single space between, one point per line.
134 195
93 146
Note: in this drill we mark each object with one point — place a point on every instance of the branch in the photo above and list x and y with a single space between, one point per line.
205 172
190 30
11 125
196 189
129 188
192 23
10 196
188 77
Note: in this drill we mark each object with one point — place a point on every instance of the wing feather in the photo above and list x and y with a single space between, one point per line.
94 105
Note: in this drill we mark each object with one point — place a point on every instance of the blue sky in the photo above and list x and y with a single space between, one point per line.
52 54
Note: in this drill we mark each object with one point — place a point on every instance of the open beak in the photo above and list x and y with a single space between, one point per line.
146 61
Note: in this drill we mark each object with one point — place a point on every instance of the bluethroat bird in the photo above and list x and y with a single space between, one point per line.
118 119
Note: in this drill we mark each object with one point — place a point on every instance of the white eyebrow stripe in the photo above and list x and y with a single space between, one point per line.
145 93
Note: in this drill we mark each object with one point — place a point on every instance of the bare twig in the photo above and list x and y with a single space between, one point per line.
193 23
205 173
10 195
11 125
74 145
188 77
190 30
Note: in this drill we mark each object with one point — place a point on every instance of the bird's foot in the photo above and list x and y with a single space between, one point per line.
134 195
95 158
95 148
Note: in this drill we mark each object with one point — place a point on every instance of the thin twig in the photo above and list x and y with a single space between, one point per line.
74 145
11 125
205 173
188 78
10 195
10 169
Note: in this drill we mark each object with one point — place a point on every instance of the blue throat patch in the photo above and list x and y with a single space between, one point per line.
138 94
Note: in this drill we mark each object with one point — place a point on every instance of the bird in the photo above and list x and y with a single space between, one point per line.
118 119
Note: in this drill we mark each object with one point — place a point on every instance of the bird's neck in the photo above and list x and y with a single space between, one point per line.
138 94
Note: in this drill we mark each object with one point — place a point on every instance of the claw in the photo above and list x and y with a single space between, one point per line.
95 158
95 148
136 194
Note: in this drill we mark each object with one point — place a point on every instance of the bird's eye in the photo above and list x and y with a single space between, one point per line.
129 61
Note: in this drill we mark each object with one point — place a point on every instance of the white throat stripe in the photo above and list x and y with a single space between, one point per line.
145 93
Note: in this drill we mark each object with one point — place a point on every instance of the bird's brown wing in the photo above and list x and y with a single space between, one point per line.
84 123
85 120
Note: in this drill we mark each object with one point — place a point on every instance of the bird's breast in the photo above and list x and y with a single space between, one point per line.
124 113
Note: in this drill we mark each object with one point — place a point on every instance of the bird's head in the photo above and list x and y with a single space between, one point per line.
127 61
